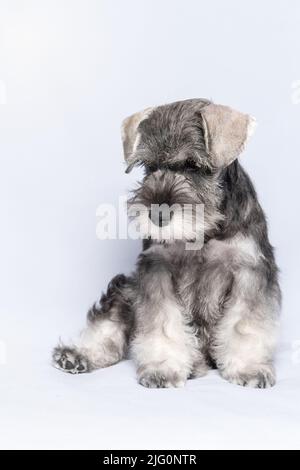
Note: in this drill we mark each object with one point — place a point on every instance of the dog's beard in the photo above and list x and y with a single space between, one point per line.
191 218
179 223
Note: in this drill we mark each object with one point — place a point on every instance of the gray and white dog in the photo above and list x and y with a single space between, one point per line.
185 311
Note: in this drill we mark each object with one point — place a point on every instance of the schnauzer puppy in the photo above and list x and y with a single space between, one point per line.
189 307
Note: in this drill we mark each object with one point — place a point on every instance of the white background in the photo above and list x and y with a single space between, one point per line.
70 71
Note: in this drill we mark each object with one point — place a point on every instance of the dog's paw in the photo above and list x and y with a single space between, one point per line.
69 360
261 379
152 378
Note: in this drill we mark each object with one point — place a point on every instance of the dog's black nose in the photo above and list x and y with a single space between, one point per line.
160 217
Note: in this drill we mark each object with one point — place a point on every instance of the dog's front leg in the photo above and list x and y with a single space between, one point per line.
164 347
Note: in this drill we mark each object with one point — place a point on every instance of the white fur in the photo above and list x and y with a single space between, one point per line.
237 248
186 223
243 344
251 127
169 349
245 337
103 342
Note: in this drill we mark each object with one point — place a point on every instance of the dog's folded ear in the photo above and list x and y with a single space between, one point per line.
226 132
130 136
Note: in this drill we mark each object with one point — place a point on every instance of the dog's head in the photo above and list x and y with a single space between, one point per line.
183 146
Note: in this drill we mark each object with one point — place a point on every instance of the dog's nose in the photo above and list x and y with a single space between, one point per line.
159 217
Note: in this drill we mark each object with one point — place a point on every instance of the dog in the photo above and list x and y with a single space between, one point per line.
185 311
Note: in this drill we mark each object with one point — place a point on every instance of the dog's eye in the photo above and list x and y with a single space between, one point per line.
191 164
150 168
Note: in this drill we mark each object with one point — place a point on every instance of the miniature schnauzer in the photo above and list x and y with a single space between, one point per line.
184 311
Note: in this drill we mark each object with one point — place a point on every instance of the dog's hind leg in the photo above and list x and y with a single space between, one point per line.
245 336
105 339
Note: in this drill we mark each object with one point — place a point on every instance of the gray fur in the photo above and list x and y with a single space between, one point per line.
182 312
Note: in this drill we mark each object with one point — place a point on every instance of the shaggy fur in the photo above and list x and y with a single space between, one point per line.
184 311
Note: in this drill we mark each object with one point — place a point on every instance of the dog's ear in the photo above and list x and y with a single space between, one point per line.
226 132
130 137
